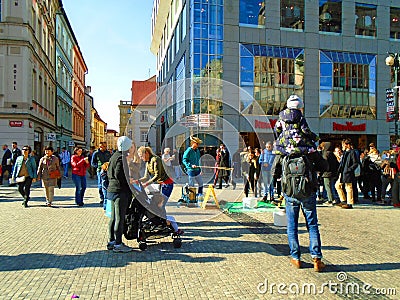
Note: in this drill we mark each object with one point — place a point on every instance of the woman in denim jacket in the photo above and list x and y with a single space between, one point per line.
25 165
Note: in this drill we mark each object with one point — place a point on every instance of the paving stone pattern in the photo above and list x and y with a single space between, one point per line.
55 252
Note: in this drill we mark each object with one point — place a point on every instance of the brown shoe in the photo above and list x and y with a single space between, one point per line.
318 265
347 206
296 263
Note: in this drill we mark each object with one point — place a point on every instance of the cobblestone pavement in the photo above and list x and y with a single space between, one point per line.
55 252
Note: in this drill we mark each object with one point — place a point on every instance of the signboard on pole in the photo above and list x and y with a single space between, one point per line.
51 137
390 105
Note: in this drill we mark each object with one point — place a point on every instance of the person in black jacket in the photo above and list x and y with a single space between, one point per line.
348 165
224 163
330 176
119 193
100 156
6 164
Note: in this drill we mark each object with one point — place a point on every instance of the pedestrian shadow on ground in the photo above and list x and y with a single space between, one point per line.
99 258
363 267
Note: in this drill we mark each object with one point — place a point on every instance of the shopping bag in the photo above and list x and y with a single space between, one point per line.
20 179
108 208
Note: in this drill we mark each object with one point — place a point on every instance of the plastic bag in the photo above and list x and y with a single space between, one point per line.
108 208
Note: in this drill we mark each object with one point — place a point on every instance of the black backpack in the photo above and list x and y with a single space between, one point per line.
298 178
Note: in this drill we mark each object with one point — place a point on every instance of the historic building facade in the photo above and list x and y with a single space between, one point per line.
27 72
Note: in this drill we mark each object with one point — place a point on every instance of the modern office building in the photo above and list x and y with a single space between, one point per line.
331 53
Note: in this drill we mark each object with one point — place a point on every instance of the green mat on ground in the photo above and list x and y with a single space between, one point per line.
237 207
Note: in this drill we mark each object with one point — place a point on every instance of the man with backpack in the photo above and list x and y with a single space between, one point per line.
299 161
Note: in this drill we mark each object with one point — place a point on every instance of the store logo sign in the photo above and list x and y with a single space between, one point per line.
349 127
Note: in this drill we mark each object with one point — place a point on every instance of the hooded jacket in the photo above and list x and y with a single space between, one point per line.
294 135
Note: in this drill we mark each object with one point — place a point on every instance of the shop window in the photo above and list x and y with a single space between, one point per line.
292 14
395 23
347 85
268 76
330 16
365 19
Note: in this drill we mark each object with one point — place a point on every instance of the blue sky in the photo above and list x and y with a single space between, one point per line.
114 37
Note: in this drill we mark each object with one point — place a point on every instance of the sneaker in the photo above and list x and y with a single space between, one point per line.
48 204
318 264
122 248
110 245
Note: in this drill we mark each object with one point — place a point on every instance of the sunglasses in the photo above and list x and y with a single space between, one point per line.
25 149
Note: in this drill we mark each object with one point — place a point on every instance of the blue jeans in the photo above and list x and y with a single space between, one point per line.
80 188
309 209
199 180
268 183
99 186
65 167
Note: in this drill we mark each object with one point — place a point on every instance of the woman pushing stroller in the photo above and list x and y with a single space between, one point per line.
155 173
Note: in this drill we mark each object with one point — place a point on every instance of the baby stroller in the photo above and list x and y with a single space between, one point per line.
189 195
146 220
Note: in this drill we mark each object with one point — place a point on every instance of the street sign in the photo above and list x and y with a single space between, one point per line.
16 123
51 137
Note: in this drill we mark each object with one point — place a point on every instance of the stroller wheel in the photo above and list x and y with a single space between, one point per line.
142 246
177 242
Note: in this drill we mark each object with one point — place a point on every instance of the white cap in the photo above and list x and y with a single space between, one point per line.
294 102
124 143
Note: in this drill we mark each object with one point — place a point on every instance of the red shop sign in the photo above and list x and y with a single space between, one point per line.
349 127
16 123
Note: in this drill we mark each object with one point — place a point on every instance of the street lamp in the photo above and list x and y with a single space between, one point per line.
393 61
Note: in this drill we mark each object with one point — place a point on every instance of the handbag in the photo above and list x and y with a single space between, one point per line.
20 179
55 174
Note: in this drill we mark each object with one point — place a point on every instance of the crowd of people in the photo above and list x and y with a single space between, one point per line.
342 171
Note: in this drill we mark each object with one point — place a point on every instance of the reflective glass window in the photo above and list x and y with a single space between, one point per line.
350 90
271 74
292 14
207 58
252 12
365 19
330 15
395 23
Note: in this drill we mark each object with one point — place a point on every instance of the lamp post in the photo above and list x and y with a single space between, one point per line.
393 61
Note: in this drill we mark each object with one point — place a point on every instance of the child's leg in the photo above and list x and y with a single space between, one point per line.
171 220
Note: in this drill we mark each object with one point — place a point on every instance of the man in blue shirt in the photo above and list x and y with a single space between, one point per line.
191 161
266 159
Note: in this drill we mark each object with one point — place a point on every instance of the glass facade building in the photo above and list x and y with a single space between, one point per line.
331 53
